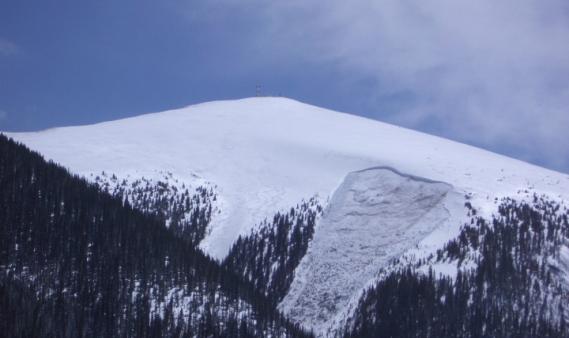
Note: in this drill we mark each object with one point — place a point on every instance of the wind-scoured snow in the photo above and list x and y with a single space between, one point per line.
266 154
374 216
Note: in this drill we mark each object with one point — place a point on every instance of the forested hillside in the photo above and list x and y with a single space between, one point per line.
76 262
517 288
269 255
187 211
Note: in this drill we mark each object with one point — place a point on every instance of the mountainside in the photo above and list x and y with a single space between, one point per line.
373 217
268 154
509 280
77 262
325 213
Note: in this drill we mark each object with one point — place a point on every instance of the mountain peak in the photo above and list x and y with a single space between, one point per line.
269 153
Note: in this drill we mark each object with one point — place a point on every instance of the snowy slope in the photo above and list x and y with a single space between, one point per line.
374 216
267 154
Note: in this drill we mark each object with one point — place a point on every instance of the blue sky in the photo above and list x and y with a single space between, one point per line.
492 74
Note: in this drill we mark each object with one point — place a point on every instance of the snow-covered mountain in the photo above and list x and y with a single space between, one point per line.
267 154
387 191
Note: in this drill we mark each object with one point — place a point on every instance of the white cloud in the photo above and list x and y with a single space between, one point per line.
485 71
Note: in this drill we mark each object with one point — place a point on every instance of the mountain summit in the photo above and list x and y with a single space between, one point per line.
323 211
267 154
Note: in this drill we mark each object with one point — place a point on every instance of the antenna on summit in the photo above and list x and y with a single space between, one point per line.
258 90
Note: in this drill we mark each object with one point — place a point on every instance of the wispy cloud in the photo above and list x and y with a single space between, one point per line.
8 48
3 115
491 72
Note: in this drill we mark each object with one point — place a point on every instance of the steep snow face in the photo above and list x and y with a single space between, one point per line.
374 216
266 154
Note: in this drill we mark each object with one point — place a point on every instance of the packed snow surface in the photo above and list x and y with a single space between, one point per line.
267 154
374 216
